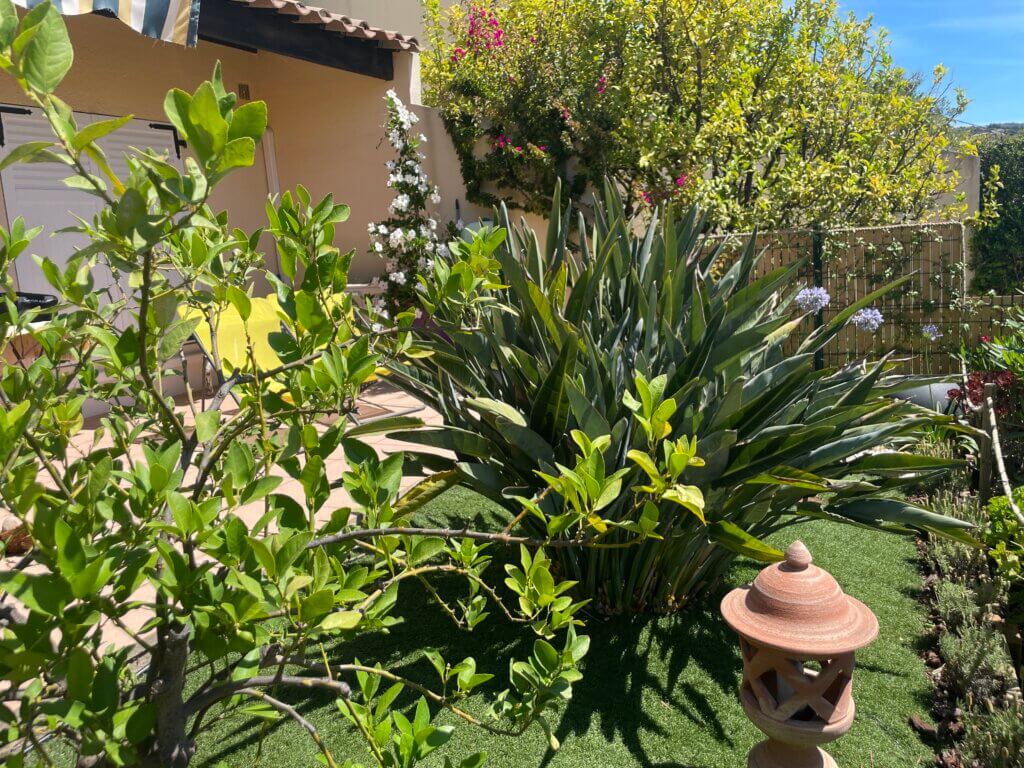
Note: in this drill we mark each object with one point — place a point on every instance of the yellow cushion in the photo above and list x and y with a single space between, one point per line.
264 319
231 335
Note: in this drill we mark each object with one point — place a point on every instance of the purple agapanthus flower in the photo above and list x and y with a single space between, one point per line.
931 332
869 319
813 299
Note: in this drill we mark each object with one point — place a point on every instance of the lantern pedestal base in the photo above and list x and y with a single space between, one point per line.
774 754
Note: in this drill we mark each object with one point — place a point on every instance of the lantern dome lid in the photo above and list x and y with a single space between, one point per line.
798 608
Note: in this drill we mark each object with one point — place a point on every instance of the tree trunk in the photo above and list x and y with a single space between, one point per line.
172 748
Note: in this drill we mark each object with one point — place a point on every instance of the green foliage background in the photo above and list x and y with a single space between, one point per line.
998 252
761 111
146 519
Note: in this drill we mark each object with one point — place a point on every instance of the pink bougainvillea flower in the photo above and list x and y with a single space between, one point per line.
602 84
484 31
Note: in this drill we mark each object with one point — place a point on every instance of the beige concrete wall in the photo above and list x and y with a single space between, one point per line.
328 136
969 170
326 123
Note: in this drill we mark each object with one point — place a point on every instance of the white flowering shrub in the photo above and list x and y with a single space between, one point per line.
407 239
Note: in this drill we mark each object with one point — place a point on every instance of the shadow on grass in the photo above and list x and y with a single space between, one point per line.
634 664
401 652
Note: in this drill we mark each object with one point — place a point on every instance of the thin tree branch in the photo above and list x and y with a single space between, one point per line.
466 533
293 713
201 701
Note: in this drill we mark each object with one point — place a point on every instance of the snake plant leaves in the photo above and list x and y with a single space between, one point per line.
425 491
900 463
459 441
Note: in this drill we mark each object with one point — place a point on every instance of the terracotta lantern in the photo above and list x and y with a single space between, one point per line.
798 634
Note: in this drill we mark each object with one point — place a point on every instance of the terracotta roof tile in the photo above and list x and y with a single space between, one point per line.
335 22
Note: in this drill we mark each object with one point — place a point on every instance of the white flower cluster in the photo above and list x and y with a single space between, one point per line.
379 306
407 241
400 204
404 118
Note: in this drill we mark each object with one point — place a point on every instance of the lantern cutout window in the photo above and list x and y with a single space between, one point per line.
798 634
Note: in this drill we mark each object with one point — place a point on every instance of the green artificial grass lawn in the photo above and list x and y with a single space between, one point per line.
657 692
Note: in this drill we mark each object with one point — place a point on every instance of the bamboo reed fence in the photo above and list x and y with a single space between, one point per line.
852 263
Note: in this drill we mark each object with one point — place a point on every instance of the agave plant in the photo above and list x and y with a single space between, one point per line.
626 332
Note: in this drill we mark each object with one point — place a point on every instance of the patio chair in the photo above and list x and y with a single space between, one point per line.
263 321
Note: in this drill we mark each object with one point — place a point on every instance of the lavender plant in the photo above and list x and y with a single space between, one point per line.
407 240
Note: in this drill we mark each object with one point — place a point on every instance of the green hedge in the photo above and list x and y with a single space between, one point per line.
998 249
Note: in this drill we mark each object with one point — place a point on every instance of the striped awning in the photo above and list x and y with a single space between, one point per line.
175 21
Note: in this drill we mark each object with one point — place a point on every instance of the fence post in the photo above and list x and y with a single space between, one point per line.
985 457
817 252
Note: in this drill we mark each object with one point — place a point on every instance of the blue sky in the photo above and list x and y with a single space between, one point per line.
980 41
